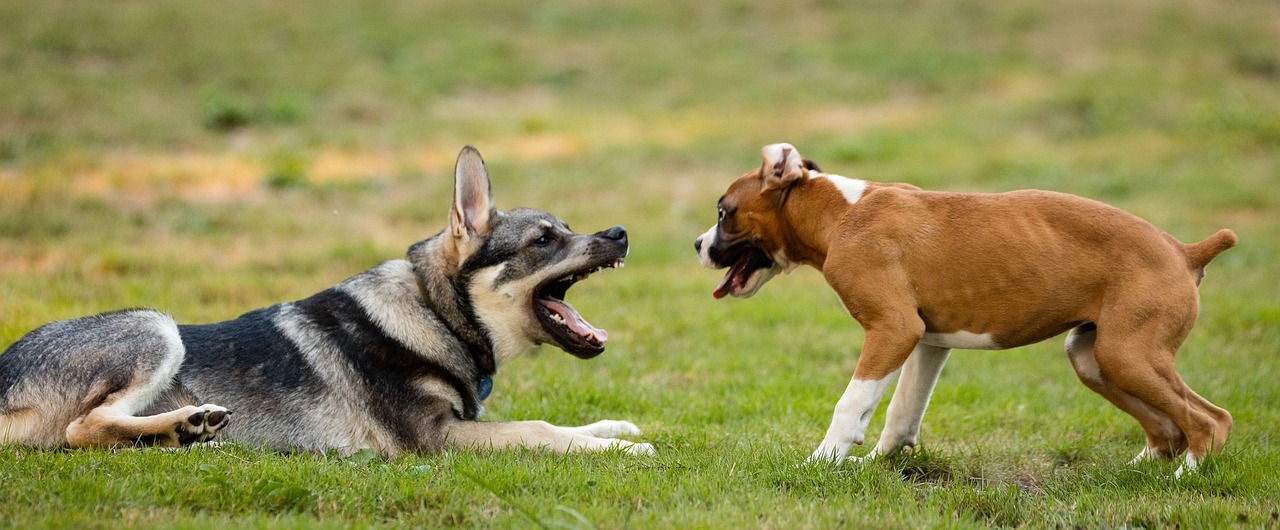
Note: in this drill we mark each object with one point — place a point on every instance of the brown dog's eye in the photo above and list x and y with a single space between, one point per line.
726 212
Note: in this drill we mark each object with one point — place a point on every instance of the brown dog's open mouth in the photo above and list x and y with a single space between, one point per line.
571 332
737 281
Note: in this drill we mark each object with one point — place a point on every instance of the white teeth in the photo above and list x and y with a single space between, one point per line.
576 277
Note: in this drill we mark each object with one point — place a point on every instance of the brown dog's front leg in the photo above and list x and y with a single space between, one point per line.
907 406
883 354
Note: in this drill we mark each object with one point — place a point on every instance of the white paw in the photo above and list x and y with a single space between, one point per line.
611 429
834 447
1189 466
201 423
861 459
1143 456
825 455
637 448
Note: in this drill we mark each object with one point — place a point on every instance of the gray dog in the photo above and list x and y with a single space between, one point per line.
397 358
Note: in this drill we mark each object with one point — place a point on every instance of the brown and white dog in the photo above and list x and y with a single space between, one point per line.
927 271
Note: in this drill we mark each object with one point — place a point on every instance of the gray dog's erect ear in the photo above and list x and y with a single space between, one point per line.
782 166
472 200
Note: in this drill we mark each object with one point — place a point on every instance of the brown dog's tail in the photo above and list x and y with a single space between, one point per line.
1201 253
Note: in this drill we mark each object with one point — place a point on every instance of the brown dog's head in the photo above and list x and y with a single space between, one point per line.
748 235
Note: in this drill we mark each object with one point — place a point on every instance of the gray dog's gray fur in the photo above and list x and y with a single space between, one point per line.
397 358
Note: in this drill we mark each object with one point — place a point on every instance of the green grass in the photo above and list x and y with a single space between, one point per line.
209 158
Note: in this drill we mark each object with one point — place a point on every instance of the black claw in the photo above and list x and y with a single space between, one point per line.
196 419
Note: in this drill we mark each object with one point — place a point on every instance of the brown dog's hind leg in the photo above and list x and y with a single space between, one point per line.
1164 438
1137 356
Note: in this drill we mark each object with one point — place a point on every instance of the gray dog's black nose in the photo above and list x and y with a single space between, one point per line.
617 233
697 244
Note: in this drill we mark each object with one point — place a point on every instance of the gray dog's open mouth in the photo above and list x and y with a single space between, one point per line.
571 332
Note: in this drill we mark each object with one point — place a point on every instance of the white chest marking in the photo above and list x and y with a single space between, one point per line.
963 340
852 189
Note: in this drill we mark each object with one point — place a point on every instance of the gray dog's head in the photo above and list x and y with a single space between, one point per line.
514 267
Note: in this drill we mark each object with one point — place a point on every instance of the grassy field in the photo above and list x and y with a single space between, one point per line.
206 158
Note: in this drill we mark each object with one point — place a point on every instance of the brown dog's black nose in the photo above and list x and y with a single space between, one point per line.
617 233
697 244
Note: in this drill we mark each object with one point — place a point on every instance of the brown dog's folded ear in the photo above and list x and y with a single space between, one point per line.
782 166
472 208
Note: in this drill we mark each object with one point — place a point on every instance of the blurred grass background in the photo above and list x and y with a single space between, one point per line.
209 158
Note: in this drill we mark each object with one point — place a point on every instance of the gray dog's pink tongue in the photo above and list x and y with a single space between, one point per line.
574 320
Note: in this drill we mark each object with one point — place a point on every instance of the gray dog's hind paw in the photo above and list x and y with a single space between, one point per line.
202 424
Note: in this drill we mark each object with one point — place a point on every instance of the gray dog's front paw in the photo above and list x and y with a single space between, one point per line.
612 429
639 449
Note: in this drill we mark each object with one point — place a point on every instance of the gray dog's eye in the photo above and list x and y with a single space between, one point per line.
542 240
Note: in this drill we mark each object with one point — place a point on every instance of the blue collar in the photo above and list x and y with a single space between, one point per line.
486 387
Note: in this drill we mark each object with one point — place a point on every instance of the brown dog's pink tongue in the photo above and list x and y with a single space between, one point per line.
725 286
575 321
734 279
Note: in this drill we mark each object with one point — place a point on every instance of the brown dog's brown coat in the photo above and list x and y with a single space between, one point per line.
936 269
